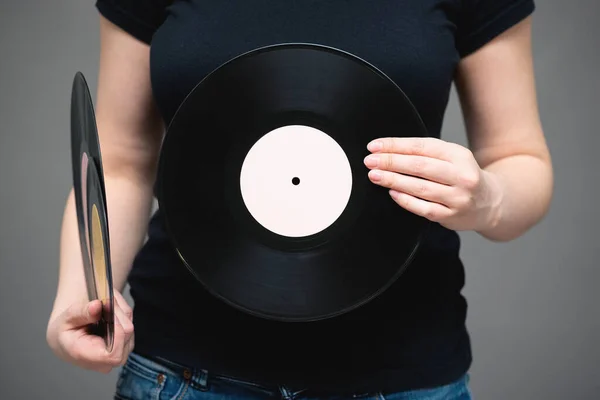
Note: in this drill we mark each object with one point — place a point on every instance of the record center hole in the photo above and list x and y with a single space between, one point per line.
295 181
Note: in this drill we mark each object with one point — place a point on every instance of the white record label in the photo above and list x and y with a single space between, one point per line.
296 181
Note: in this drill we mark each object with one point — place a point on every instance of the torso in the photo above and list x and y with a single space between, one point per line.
414 334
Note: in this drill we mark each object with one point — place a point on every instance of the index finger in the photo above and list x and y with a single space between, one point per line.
417 146
93 349
115 356
122 303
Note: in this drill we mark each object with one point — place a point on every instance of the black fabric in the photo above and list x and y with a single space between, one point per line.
138 18
412 336
482 20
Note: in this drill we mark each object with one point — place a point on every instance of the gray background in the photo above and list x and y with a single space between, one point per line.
534 310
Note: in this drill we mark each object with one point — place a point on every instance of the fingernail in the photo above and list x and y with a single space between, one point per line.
375 175
371 161
375 145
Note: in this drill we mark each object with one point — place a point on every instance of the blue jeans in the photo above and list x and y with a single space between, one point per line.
142 378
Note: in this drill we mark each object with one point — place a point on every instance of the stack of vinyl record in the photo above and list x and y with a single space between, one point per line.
90 205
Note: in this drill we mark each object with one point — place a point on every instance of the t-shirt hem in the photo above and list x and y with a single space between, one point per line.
386 381
178 348
496 26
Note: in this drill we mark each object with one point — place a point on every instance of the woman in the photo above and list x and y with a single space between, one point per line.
411 342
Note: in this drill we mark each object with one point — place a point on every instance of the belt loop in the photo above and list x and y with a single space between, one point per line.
202 380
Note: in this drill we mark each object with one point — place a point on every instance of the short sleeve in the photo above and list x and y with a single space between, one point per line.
139 18
481 21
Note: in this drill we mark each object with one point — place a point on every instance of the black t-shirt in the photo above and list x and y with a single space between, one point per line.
413 335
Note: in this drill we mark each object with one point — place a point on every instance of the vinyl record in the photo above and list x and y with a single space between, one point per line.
99 241
264 191
85 151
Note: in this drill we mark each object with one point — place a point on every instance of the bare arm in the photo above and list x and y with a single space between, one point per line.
130 131
497 93
502 185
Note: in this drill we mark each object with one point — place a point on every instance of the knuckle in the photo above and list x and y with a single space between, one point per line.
405 202
469 179
115 360
430 213
105 370
386 178
418 145
466 152
462 200
62 343
462 203
71 312
451 213
387 162
469 202
417 166
422 188
402 200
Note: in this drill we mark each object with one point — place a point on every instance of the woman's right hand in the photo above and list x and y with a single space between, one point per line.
69 337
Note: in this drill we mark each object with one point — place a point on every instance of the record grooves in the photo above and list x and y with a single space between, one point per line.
263 188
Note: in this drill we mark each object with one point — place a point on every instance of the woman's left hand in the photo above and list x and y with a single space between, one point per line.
438 180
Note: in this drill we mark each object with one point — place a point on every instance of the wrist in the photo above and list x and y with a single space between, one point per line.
494 199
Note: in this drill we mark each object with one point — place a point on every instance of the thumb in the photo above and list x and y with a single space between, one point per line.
81 314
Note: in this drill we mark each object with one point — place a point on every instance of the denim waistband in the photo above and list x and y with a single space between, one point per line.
173 367
202 379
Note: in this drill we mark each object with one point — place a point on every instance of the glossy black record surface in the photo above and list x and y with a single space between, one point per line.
237 259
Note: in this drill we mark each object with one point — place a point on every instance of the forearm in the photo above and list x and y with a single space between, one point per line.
521 186
129 205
